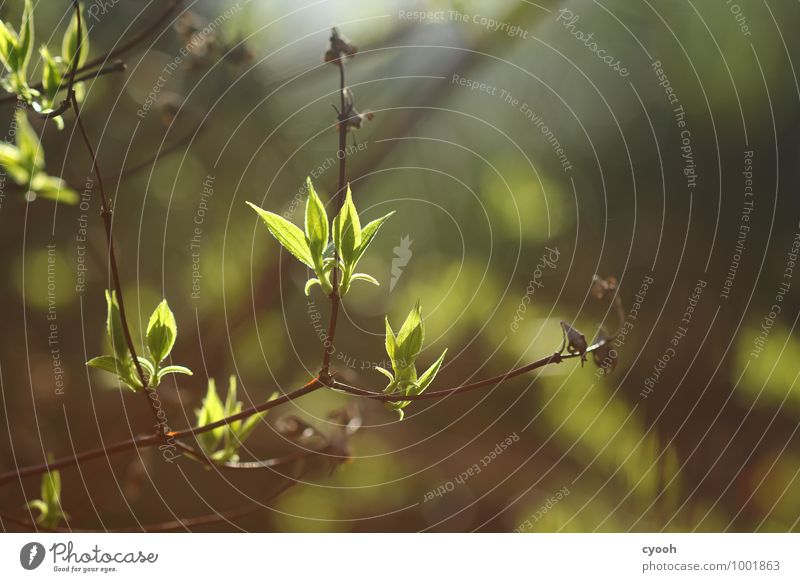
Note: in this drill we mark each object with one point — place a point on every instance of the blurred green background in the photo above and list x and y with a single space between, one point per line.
482 194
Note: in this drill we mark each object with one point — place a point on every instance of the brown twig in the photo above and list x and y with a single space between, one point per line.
339 197
153 440
106 213
167 525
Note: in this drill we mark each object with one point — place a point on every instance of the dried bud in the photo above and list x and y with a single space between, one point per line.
239 54
575 341
297 429
605 357
601 286
352 118
169 104
340 48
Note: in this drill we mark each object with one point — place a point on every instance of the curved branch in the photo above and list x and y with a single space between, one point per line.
146 441
555 358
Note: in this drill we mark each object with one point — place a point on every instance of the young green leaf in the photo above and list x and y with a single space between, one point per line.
347 230
49 506
316 226
410 338
368 234
69 44
11 159
161 333
28 143
25 46
53 188
429 375
291 237
114 328
365 277
107 364
391 341
211 411
51 79
173 370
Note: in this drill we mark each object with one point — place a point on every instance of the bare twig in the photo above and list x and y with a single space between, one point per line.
339 196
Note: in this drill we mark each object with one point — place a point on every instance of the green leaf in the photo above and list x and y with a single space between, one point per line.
11 159
386 373
232 406
310 284
123 370
211 411
368 234
173 370
347 230
107 364
249 424
291 237
316 227
365 277
28 143
25 47
53 188
391 342
8 47
161 332
114 328
428 376
51 77
49 506
410 338
69 44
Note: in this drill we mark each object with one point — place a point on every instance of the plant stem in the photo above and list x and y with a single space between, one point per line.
147 441
107 222
339 197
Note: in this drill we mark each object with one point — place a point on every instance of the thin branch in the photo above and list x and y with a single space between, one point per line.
188 523
147 441
340 195
107 222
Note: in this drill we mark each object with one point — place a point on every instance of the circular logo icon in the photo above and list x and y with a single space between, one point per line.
31 555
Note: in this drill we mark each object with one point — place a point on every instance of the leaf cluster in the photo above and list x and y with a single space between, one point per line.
322 242
222 444
162 331
403 350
